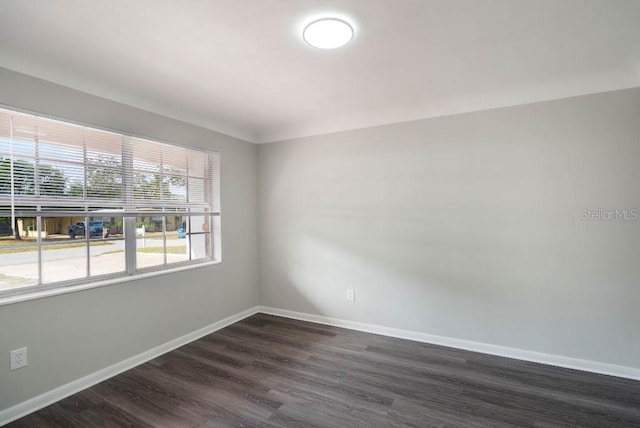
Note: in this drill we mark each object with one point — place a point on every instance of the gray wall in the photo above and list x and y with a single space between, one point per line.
72 335
466 226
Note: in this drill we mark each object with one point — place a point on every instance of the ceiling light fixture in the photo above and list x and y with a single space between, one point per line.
328 33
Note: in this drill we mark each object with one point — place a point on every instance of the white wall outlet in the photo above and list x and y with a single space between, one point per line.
19 358
351 295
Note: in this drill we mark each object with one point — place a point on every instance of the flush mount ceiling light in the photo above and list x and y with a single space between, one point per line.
328 33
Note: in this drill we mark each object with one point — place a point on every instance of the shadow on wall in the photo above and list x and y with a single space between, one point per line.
414 273
467 226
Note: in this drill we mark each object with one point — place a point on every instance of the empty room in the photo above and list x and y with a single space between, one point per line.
327 213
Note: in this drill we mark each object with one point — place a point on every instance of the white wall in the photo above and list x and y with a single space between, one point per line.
72 335
466 226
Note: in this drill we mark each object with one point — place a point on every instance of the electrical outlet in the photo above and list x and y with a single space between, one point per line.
351 295
19 358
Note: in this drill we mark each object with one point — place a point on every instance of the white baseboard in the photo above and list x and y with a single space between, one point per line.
485 348
50 397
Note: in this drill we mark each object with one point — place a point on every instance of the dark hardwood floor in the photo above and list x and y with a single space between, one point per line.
267 371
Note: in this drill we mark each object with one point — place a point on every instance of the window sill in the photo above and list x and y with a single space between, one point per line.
18 298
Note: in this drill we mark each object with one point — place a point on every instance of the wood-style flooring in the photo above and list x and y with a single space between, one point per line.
268 371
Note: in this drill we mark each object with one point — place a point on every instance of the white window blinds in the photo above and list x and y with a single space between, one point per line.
70 164
152 204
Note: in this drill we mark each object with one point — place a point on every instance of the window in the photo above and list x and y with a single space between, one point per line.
79 204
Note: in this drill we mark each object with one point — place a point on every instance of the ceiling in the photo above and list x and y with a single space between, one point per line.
240 66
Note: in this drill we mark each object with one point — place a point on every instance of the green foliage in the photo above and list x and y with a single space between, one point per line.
52 181
5 226
104 178
117 226
156 185
23 177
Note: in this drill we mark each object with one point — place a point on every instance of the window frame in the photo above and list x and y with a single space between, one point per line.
128 214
